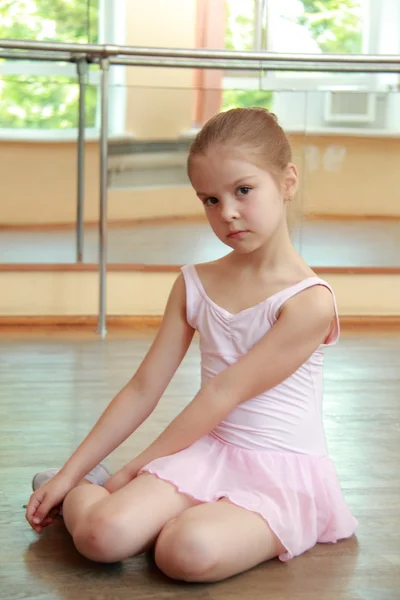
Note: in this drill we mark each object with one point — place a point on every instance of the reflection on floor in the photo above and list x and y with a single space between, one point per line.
321 243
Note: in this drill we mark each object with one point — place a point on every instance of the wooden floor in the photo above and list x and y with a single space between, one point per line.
353 243
53 385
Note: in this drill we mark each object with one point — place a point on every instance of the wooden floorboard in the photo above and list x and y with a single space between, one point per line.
54 384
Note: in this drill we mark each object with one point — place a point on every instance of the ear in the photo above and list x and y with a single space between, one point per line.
290 182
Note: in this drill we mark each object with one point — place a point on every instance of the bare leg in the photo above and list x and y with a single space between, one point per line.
214 541
110 527
79 501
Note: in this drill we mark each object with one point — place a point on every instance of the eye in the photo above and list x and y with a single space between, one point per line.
210 201
243 190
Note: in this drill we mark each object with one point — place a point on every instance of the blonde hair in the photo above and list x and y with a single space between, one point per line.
253 130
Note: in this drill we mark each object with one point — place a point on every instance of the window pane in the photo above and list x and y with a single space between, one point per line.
46 102
240 16
298 26
50 20
334 26
43 102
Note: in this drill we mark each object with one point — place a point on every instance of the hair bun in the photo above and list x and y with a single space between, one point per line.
266 112
255 128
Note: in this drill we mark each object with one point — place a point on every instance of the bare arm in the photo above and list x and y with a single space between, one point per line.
125 413
137 400
303 325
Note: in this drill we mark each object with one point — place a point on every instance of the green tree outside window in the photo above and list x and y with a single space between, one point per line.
47 102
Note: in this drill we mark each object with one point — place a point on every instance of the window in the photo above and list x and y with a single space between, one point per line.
334 26
307 26
313 26
38 98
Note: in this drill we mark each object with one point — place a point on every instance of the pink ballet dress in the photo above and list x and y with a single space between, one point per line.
269 455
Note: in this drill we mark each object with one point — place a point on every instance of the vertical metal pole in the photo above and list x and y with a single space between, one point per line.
260 25
82 78
258 8
104 65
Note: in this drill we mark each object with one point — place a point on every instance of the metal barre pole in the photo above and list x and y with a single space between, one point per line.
102 326
81 66
257 65
52 46
237 64
36 55
104 50
262 55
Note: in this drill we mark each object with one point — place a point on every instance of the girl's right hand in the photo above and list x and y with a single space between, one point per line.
44 504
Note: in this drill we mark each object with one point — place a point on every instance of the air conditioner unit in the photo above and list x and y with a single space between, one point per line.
350 107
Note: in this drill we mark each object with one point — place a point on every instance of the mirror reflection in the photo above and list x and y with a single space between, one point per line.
344 130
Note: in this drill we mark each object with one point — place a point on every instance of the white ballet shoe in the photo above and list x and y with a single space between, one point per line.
99 475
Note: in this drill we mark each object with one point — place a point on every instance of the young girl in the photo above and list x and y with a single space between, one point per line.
241 475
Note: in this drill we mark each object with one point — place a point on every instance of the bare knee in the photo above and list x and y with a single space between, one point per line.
98 537
184 551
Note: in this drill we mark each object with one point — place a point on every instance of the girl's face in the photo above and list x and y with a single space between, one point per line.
244 204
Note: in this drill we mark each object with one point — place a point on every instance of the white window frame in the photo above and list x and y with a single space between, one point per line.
112 30
381 36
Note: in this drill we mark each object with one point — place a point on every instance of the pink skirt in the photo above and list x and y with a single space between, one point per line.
299 495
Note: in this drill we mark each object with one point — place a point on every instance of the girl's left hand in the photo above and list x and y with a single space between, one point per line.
120 479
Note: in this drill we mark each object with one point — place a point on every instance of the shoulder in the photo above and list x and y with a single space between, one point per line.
177 294
312 307
317 297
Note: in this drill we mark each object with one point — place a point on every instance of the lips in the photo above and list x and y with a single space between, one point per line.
238 234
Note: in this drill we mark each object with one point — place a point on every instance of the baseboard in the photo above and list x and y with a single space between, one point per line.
372 321
161 268
90 321
133 222
154 321
171 220
349 217
88 268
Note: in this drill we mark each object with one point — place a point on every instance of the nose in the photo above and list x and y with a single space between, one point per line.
229 211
